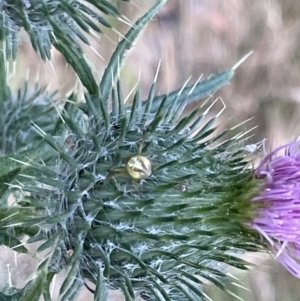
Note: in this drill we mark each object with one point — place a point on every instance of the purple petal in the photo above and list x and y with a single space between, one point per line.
279 217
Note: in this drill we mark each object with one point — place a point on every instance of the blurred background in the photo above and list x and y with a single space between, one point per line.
202 37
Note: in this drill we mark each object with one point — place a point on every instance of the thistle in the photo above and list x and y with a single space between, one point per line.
129 197
278 216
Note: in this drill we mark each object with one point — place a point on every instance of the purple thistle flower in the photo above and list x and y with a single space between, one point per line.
278 218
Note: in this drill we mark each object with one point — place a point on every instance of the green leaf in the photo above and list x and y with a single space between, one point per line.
50 242
73 273
76 16
73 55
7 298
77 253
149 101
120 99
12 242
73 290
46 292
11 297
11 166
127 295
135 109
56 146
4 89
111 70
94 15
35 288
7 178
26 105
106 7
100 291
159 116
203 89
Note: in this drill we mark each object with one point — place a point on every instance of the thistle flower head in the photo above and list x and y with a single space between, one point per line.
132 197
279 216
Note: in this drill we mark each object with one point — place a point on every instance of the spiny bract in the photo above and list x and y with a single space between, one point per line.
161 234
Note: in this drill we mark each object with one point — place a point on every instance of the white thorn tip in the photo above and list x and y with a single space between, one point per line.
19 161
157 71
184 85
97 53
130 93
224 106
242 60
195 85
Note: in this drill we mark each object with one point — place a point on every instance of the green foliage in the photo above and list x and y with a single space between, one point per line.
52 22
20 111
161 236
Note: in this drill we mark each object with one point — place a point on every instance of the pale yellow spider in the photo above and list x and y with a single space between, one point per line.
138 166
